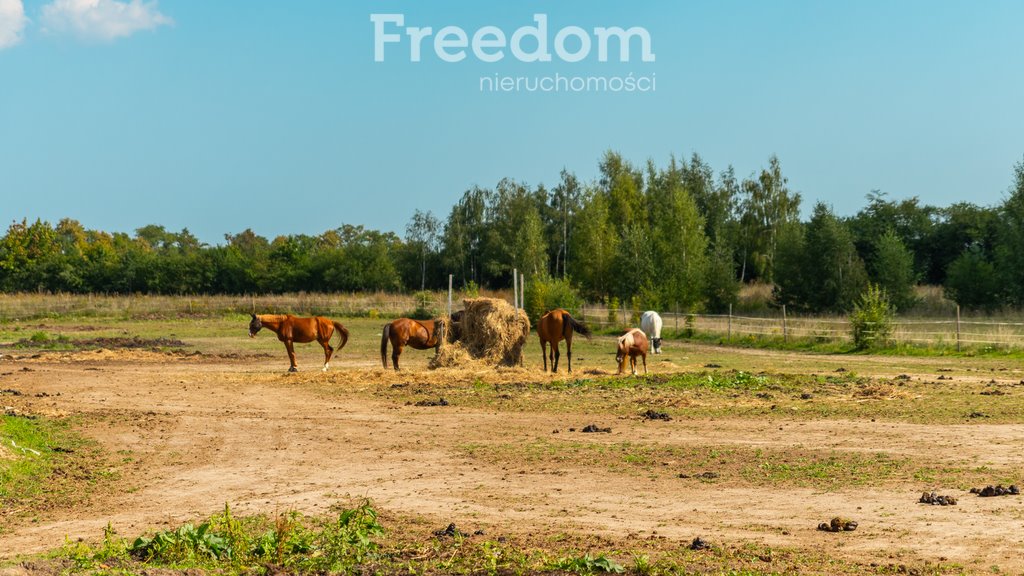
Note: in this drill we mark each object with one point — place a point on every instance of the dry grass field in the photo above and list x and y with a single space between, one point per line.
160 420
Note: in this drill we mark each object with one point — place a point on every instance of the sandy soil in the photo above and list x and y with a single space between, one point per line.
204 431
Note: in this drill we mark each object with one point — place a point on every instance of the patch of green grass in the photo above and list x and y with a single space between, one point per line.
738 465
44 463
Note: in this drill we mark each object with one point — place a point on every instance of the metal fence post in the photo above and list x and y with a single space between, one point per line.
515 289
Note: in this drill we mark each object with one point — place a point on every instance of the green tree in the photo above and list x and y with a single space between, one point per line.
623 185
830 272
972 281
422 236
464 237
677 275
893 270
564 204
1010 250
766 207
594 246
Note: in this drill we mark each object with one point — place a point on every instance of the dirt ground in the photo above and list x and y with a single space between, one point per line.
205 430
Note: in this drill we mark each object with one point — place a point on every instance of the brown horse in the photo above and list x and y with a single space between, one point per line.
631 344
554 326
291 329
419 334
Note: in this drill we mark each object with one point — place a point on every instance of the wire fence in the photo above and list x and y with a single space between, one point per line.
951 331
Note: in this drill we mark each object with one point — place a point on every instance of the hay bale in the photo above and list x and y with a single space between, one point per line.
490 331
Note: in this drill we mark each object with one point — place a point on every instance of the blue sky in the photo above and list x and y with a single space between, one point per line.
221 116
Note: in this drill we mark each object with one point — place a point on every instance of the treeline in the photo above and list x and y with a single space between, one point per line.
653 236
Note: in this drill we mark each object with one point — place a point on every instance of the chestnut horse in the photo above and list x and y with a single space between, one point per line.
553 327
291 329
631 344
419 334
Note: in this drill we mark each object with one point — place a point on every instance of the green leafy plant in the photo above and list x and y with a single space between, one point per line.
426 307
546 293
871 321
587 564
187 543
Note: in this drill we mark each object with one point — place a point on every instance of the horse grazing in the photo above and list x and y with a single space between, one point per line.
631 344
650 323
553 327
419 334
290 329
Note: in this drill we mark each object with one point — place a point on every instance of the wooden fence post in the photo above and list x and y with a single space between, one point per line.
449 295
957 327
729 338
785 335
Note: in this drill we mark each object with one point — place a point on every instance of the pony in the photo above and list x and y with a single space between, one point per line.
290 329
553 327
650 323
631 344
419 334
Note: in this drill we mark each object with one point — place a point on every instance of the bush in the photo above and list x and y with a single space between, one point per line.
872 319
426 306
546 293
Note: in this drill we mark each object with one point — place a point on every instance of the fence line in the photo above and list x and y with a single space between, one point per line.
951 331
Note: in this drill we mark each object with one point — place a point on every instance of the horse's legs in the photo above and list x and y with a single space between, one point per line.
568 351
396 351
544 353
328 352
645 363
291 355
557 354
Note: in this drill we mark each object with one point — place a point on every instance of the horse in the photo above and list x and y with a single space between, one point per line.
631 344
290 329
419 334
650 323
553 327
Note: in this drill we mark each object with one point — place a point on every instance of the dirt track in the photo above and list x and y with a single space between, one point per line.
208 431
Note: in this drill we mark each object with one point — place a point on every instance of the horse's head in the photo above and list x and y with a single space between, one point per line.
656 342
440 331
254 326
622 349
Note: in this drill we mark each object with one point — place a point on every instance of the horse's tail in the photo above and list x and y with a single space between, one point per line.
576 325
343 331
384 337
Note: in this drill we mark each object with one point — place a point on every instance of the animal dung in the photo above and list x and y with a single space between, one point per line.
490 332
699 544
999 490
937 500
838 524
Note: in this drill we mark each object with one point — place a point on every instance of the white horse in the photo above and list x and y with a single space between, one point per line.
650 323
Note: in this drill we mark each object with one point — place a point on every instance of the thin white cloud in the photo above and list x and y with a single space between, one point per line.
12 22
101 19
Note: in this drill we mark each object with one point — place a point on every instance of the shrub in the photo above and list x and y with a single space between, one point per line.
546 293
872 319
426 307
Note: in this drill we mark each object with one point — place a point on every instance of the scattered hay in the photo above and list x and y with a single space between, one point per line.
489 332
450 355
